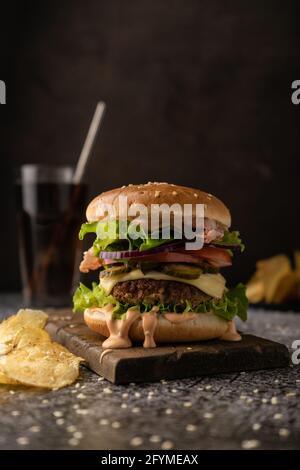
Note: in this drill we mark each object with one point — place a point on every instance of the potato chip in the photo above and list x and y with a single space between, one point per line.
286 289
6 380
272 271
255 290
11 327
297 261
28 356
31 336
47 365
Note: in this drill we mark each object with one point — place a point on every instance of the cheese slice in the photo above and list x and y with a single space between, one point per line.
211 284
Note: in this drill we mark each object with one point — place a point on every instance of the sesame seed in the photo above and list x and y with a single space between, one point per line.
250 444
81 396
195 195
167 445
189 348
107 390
71 428
12 392
249 400
168 411
187 404
103 422
264 400
124 395
137 394
136 409
82 412
174 193
208 415
15 413
276 381
256 426
283 432
77 435
243 397
57 414
124 405
191 427
174 390
163 382
73 442
136 441
116 425
23 441
100 379
60 421
290 394
274 400
208 387
35 429
255 390
76 406
155 438
200 389
277 416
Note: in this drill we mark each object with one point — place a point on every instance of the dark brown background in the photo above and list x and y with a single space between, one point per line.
198 93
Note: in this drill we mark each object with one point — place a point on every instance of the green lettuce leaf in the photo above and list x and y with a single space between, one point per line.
231 238
234 303
87 228
96 297
111 242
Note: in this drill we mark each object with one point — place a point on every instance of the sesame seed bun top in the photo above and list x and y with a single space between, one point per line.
159 193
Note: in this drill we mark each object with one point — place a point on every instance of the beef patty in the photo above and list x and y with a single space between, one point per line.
154 292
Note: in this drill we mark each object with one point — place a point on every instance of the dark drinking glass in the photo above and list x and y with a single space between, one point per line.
50 209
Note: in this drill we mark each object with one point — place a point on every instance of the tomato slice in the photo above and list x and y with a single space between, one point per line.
216 257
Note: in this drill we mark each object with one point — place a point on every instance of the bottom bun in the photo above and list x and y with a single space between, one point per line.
197 327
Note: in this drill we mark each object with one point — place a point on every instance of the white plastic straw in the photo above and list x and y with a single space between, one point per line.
89 142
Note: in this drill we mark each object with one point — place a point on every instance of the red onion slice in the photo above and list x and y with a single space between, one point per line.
225 246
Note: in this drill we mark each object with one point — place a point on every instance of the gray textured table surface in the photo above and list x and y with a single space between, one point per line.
229 411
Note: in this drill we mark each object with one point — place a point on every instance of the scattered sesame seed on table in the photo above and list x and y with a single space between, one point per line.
246 410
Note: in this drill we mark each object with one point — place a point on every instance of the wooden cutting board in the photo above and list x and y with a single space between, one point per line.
171 361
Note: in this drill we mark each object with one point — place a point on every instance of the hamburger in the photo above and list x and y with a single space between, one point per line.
153 287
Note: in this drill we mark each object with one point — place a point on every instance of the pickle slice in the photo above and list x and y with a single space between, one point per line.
114 270
185 271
